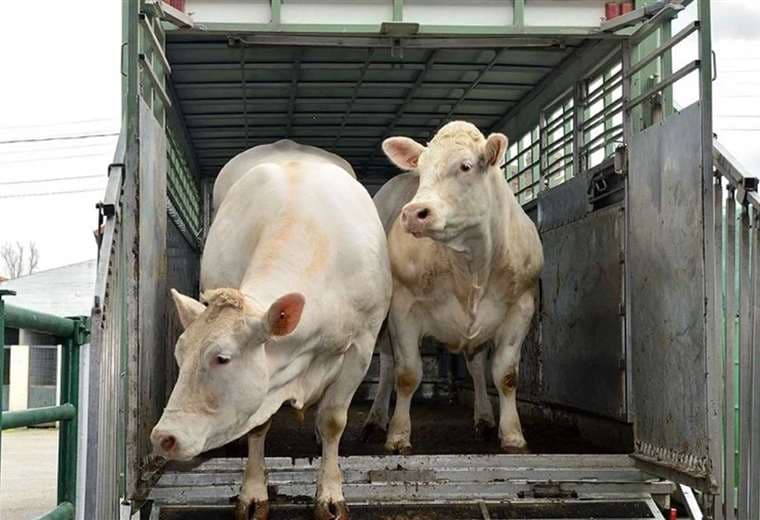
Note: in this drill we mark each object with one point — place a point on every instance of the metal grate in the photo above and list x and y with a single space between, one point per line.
557 138
182 186
602 118
43 366
523 166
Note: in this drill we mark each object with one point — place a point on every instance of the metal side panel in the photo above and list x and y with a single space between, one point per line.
667 323
152 276
183 274
581 327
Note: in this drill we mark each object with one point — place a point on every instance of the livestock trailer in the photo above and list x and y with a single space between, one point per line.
628 388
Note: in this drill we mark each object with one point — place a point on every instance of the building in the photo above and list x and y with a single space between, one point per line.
31 369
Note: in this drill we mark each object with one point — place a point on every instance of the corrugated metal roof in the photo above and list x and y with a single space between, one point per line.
63 291
344 99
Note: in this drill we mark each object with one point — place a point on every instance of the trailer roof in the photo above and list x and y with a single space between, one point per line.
242 90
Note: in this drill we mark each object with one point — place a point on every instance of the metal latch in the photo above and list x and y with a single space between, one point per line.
620 161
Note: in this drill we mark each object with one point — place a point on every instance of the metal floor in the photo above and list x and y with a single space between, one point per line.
430 486
521 510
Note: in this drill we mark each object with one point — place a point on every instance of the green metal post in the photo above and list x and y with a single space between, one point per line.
518 18
64 427
2 356
398 10
67 447
641 116
276 6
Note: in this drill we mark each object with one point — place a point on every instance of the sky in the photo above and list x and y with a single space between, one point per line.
62 80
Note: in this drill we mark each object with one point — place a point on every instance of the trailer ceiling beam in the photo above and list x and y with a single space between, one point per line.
354 94
408 99
489 66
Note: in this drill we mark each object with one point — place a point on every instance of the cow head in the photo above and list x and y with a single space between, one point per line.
456 170
223 375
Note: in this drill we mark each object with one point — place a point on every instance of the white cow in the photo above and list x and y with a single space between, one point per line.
297 283
465 260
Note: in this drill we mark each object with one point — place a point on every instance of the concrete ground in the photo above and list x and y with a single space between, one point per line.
29 473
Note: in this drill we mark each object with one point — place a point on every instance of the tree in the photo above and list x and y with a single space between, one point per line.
14 258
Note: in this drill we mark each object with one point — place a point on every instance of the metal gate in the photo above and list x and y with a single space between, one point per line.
670 308
71 333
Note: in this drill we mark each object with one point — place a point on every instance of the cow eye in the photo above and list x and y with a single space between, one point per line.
465 166
221 359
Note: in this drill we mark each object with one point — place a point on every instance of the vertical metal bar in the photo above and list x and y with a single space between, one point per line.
609 149
63 427
276 6
542 158
295 76
2 359
398 10
729 398
746 318
518 19
578 101
714 376
244 87
570 146
627 136
754 431
666 68
717 202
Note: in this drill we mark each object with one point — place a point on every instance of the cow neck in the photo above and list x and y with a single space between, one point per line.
476 254
284 372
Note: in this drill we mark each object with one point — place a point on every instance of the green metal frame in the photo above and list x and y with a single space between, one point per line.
72 333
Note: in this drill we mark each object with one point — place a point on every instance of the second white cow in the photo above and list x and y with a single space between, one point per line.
465 260
296 285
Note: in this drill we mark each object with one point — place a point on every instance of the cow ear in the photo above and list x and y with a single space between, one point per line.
496 147
188 308
403 152
284 314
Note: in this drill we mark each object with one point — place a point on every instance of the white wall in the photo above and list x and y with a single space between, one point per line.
18 396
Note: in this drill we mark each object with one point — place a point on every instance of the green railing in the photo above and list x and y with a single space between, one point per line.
71 333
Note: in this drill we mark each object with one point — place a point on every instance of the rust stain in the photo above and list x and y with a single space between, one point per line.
333 427
407 382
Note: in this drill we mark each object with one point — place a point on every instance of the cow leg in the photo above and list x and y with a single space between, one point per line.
485 424
331 421
505 367
254 489
377 420
405 338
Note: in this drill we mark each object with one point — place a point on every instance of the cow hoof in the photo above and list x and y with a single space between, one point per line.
485 430
399 449
260 510
373 433
331 511
513 442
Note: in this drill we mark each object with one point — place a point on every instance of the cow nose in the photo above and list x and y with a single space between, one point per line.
167 442
416 213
